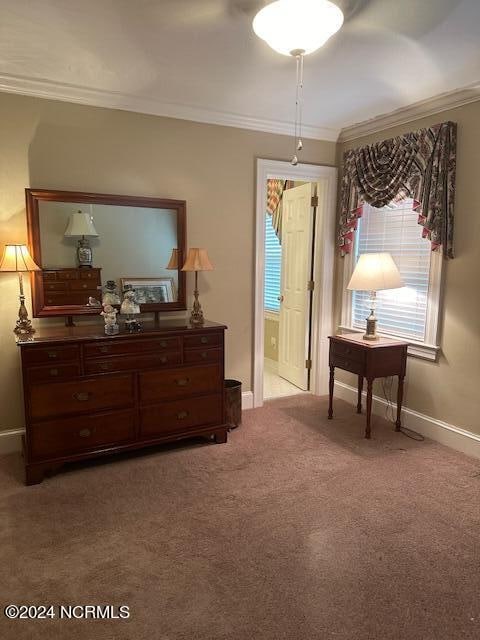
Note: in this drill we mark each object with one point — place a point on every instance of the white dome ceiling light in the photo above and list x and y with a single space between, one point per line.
297 28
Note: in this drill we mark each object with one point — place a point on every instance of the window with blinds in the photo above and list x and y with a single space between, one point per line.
273 267
400 312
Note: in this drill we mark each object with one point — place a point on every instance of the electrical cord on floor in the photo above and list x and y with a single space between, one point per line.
387 385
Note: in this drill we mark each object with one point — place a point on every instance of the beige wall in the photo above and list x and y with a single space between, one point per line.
56 145
271 331
450 389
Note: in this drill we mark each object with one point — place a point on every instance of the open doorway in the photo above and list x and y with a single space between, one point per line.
288 285
294 279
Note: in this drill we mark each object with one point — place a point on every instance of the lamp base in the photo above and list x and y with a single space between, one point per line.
196 317
371 333
23 327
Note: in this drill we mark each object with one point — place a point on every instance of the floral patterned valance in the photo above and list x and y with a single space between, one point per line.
420 165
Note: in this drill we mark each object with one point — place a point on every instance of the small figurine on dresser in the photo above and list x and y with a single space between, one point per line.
109 314
130 308
110 293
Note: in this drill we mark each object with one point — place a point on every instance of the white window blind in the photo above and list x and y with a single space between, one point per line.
273 266
400 312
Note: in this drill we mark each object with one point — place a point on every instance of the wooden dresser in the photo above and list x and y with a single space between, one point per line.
70 286
87 394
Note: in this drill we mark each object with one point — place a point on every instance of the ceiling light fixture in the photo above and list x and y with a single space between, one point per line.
297 28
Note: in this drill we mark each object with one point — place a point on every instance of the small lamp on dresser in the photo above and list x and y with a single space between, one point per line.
80 225
17 259
197 260
374 272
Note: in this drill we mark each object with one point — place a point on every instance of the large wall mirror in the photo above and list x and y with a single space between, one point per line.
85 243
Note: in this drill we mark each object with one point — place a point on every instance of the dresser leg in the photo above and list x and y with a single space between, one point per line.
34 474
359 397
331 385
369 407
398 423
221 436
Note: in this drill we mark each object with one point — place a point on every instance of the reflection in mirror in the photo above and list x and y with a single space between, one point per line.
119 243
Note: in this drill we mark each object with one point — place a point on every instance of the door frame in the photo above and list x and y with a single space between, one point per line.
324 259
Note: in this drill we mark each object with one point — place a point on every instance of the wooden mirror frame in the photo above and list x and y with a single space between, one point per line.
34 196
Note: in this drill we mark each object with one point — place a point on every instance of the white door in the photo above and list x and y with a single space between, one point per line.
294 330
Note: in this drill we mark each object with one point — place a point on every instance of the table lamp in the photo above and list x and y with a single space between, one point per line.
374 272
16 259
80 225
197 260
173 262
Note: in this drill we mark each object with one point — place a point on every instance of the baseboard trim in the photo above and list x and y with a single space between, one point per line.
11 441
247 400
447 434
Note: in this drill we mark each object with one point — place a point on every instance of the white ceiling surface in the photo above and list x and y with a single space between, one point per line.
202 57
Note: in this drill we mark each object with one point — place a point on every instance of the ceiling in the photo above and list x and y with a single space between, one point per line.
200 60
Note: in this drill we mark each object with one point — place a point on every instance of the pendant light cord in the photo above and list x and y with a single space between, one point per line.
298 143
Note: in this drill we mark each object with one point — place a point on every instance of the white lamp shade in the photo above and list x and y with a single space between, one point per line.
297 25
375 271
16 257
80 224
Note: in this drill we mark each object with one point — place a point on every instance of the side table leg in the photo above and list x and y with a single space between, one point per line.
398 423
330 389
369 407
360 389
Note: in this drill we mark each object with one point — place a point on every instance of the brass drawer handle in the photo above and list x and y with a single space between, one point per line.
86 433
204 340
104 349
182 382
204 355
53 372
163 343
52 355
82 396
182 415
105 366
84 286
163 359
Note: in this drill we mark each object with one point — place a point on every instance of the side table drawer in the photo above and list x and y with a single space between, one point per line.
347 351
347 364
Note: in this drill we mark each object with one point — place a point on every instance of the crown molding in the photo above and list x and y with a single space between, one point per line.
40 88
404 115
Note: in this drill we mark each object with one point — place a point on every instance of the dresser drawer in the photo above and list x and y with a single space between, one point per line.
156 386
205 340
145 361
71 274
53 372
80 396
49 276
73 435
181 415
44 355
81 285
348 351
96 349
90 274
54 286
347 364
69 298
193 356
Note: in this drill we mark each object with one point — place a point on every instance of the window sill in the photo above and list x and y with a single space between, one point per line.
415 349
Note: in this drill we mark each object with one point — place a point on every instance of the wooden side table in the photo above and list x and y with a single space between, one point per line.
370 360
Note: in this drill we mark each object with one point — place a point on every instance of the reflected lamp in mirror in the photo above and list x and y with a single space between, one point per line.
80 225
174 261
197 260
17 259
374 272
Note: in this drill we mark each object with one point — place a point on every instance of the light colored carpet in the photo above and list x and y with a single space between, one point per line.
297 529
